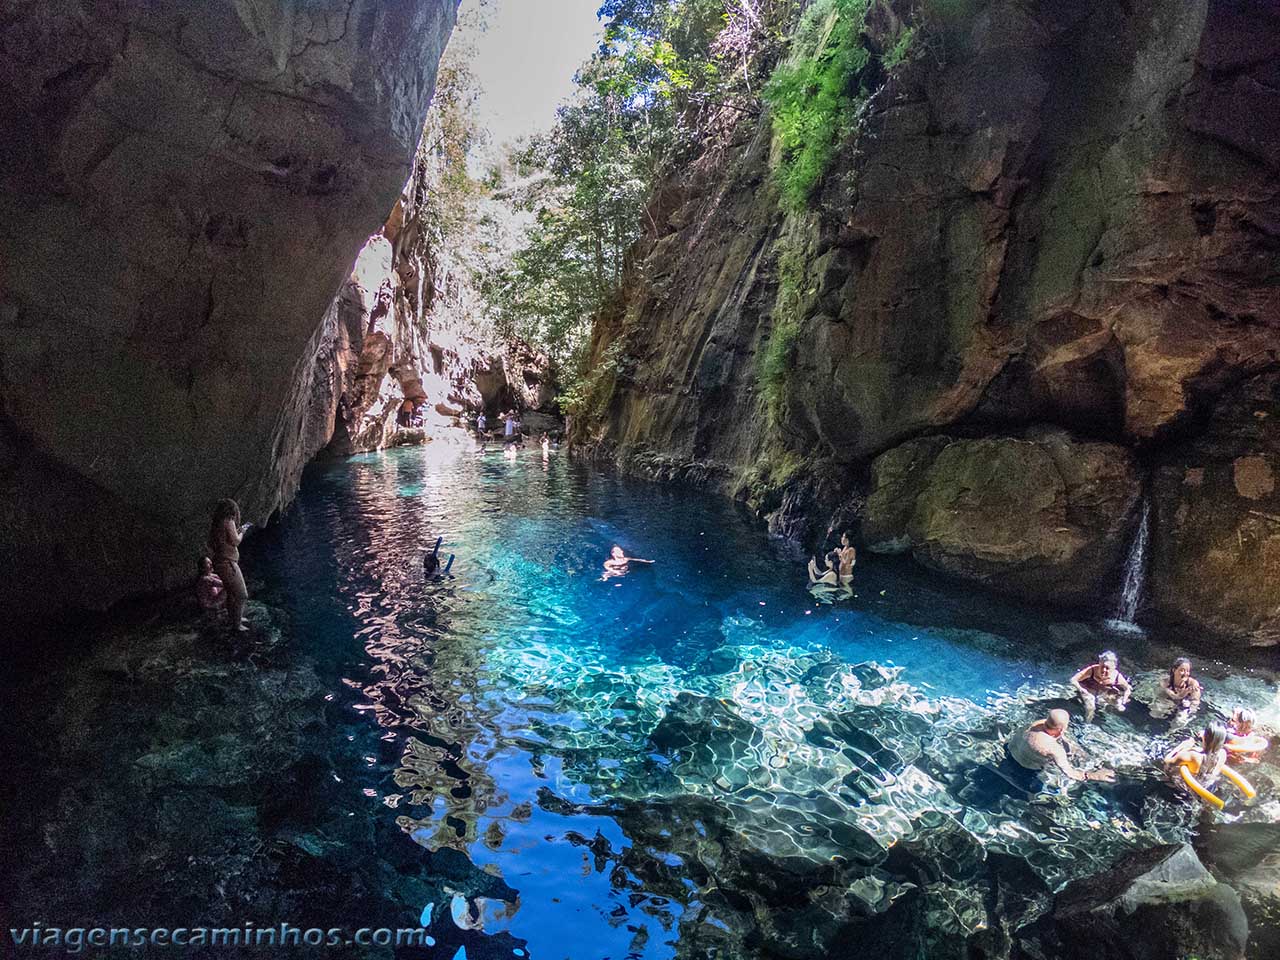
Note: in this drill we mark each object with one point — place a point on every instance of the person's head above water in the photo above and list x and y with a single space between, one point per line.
1180 671
1243 719
833 558
844 539
1213 738
1107 657
1056 722
204 566
617 552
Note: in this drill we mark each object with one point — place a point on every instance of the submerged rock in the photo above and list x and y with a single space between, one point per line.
1151 905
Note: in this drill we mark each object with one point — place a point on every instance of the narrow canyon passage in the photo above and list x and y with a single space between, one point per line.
712 479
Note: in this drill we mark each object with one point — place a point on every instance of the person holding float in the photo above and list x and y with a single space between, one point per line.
1244 744
1199 767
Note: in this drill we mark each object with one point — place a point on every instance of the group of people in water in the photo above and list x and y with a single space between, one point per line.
837 569
1196 764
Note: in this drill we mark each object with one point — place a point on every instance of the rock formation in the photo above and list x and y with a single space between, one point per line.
180 197
1058 215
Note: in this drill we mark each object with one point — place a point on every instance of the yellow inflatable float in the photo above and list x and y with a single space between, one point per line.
1200 790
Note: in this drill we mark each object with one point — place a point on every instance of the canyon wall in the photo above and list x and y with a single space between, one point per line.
1040 281
183 188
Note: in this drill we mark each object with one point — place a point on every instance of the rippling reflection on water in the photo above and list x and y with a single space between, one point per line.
697 753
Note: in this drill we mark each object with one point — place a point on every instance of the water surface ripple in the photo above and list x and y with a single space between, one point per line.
697 757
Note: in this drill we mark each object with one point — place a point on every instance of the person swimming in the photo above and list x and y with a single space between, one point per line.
1102 682
830 575
618 563
1244 743
1198 767
1177 691
431 562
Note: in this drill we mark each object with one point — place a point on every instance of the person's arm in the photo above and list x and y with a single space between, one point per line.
1197 691
1179 754
1059 755
1166 688
1078 680
1126 688
234 534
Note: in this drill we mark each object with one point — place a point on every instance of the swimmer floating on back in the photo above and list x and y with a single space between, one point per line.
618 563
1200 766
1102 682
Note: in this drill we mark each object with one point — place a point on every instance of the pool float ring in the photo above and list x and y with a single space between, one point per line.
1253 743
1201 791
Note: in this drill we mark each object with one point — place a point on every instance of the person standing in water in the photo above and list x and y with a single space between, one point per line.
225 534
1038 746
1177 691
1102 682
848 557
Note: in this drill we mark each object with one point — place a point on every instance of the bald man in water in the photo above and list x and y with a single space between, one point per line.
1034 748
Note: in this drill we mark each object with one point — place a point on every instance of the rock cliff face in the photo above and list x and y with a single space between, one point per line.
182 190
1062 215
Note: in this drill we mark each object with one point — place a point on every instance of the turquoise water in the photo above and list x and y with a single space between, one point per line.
689 759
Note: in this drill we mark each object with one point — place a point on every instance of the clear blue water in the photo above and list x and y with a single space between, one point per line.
629 757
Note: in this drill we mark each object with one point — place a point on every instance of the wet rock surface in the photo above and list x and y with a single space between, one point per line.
1044 517
1216 563
1157 903
180 198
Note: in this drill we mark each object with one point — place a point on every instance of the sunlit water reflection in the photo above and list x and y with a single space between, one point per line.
635 758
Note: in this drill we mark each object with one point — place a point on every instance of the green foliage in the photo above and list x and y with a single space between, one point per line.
901 48
777 358
814 94
817 95
588 389
763 484
591 175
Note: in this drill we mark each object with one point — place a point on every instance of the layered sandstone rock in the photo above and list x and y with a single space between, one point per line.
1061 214
1044 517
182 189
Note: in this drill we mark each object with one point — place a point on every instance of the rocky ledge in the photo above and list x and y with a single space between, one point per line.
180 197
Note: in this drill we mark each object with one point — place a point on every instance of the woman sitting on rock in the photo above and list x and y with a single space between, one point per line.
1178 691
225 534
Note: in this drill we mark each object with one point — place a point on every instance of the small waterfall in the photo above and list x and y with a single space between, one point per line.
1135 573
